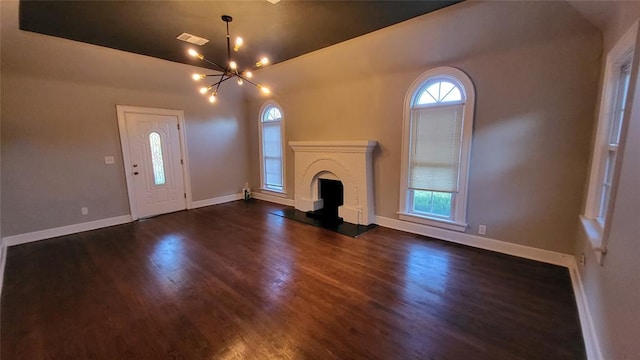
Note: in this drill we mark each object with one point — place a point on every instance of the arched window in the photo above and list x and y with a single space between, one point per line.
436 144
271 147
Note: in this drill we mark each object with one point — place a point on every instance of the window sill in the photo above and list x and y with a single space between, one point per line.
441 223
593 231
273 192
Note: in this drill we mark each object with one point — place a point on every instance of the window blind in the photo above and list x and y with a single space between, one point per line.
272 152
436 136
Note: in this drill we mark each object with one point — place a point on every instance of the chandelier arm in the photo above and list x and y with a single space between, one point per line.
228 43
227 78
247 80
222 79
217 85
217 88
222 68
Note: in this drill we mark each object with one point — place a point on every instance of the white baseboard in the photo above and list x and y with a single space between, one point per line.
97 224
64 230
591 343
273 199
215 201
546 256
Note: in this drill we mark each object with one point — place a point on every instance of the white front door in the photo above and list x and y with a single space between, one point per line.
154 165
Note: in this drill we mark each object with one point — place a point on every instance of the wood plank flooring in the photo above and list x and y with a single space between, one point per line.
233 281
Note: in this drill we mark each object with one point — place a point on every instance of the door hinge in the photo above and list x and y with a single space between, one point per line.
181 162
185 195
178 126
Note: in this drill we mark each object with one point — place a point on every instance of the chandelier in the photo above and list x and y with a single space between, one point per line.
229 71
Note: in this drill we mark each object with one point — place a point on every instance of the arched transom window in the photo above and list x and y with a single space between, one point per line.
439 91
272 113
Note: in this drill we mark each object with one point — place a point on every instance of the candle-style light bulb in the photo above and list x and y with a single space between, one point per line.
195 54
239 42
262 62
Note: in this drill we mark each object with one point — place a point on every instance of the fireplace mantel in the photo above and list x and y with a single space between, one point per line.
347 161
333 146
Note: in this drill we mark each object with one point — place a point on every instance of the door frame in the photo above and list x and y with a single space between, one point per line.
122 111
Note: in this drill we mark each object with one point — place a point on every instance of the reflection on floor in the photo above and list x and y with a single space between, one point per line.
234 281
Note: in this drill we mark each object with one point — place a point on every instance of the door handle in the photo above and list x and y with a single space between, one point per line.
135 173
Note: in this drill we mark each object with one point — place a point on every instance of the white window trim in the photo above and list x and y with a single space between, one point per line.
432 221
458 220
263 188
272 192
620 55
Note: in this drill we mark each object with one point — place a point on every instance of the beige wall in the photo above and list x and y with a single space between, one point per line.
535 67
613 290
59 120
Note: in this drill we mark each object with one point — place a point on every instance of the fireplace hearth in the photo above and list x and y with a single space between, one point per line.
343 228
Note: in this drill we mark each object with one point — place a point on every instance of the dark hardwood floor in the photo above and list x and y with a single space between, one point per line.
235 282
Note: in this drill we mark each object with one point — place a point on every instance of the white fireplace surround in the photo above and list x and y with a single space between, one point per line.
347 161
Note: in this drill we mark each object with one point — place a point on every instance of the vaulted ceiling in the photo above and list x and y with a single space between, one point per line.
281 31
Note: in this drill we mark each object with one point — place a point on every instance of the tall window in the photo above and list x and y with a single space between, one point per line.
436 145
611 146
609 139
271 154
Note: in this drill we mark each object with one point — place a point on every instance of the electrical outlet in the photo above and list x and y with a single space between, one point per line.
482 229
109 160
84 210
